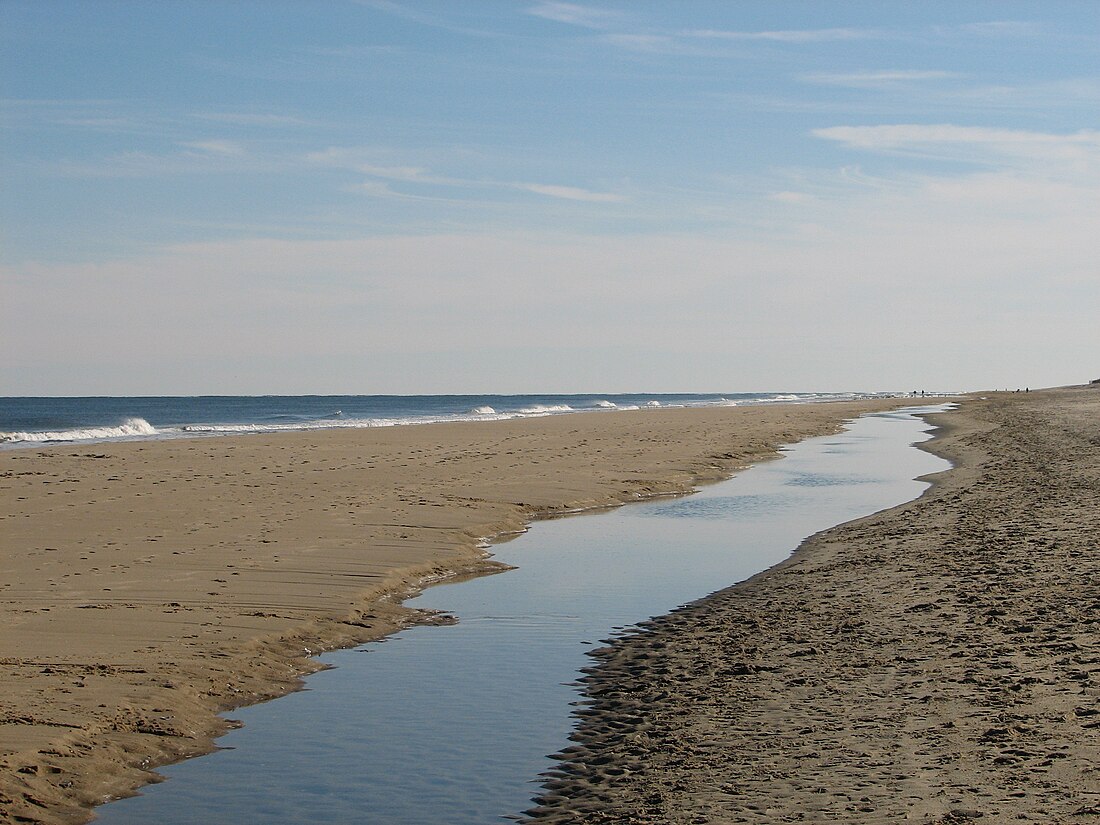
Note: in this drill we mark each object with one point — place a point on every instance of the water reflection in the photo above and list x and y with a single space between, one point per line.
452 724
724 506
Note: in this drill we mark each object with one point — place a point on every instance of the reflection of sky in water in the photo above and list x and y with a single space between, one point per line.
826 480
720 507
452 724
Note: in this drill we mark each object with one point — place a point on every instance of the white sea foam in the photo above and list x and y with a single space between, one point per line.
483 413
127 429
327 424
609 405
546 409
653 403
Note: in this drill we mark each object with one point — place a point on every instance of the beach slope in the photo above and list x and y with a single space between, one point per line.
146 586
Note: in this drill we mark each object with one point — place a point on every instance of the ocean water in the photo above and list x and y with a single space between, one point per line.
455 724
31 421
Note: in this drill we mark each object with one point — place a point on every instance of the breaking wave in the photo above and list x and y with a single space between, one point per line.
127 429
545 409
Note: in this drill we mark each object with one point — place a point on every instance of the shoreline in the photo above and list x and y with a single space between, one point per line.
937 662
366 412
128 632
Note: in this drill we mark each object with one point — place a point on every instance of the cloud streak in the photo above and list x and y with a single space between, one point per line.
1079 150
878 79
380 177
224 148
786 35
588 17
571 193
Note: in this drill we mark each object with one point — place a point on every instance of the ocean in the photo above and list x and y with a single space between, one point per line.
26 422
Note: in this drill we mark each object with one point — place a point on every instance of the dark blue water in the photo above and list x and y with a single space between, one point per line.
30 421
453 724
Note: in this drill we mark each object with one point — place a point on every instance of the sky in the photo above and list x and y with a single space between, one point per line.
252 197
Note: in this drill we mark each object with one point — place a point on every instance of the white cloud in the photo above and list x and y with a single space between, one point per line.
1001 28
574 14
893 136
353 159
717 42
409 173
787 36
878 79
571 193
215 147
414 13
1077 152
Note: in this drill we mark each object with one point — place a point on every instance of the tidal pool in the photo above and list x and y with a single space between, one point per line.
453 724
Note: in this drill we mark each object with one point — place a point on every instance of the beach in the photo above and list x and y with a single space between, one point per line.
148 585
937 663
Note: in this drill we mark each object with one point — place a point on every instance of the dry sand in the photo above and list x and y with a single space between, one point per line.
146 586
935 663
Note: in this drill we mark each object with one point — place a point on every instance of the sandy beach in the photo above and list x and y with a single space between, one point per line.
935 663
146 586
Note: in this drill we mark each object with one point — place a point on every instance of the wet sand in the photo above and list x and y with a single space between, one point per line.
935 663
145 586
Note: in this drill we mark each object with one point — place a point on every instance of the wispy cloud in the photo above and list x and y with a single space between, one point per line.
721 42
406 173
381 177
224 148
197 157
624 32
1077 153
254 119
435 21
356 52
1001 28
119 117
905 135
136 116
878 79
571 193
787 35
948 94
363 162
1082 92
574 14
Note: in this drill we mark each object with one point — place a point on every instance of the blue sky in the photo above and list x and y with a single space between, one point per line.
254 197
